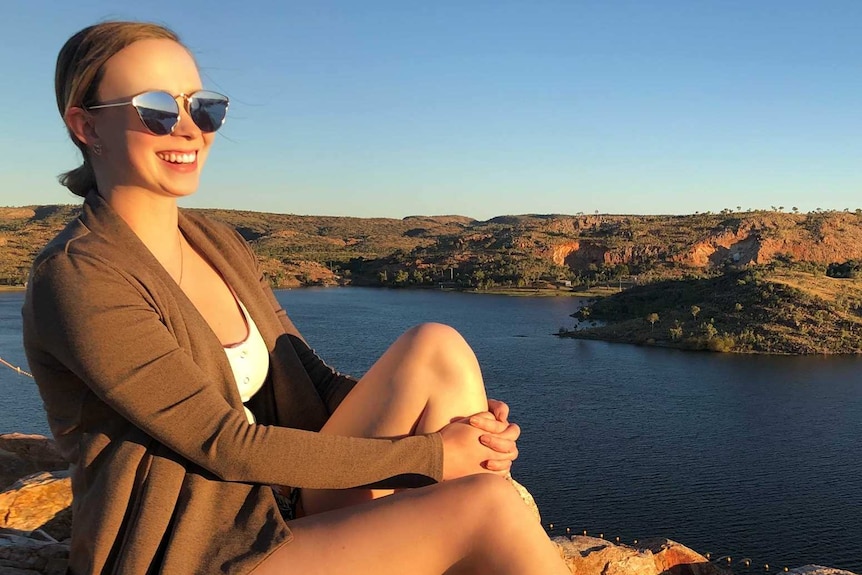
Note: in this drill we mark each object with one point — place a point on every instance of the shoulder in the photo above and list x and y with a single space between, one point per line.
75 242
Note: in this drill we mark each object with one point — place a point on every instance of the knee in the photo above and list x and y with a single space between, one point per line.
445 350
496 498
435 334
441 341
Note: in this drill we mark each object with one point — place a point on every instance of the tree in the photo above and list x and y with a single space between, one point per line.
652 318
401 277
709 330
694 311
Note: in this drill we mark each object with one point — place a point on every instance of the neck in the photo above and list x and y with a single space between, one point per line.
154 219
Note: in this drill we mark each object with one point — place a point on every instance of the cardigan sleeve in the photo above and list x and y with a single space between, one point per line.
331 385
104 327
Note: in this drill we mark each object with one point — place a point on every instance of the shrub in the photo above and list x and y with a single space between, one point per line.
722 343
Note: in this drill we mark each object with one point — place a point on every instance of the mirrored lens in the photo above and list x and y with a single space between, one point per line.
208 110
159 111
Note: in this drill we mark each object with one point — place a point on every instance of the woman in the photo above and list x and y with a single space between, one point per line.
181 392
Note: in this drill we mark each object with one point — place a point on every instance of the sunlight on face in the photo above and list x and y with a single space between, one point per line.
133 157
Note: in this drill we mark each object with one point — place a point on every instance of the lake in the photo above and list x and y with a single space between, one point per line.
749 456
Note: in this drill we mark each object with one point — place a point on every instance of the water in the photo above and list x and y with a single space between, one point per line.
745 456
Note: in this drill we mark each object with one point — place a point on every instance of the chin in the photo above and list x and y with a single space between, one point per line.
180 187
181 191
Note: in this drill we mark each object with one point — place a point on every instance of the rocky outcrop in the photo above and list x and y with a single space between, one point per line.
35 512
578 255
584 554
39 501
31 553
22 454
35 529
819 238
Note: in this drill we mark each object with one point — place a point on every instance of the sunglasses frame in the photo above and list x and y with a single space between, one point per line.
187 102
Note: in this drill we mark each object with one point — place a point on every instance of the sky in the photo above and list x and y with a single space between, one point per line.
482 108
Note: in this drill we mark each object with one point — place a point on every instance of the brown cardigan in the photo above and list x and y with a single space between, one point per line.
167 474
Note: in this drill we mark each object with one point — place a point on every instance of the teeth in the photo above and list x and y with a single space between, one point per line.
175 158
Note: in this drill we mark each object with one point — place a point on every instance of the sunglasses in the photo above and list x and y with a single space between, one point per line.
160 112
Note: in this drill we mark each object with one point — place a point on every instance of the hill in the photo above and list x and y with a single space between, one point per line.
766 281
770 309
510 251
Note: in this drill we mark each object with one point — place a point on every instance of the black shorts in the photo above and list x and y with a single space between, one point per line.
288 505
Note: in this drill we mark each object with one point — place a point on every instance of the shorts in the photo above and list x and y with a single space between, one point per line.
289 505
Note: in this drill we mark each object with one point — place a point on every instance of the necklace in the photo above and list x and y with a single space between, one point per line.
182 266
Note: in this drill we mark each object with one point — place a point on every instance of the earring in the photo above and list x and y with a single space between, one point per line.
97 149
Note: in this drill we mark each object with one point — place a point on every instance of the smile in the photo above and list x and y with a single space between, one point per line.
175 158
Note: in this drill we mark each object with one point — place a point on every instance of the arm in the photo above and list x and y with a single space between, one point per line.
104 327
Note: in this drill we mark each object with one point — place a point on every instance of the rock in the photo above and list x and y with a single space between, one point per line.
591 556
22 555
818 570
527 497
41 500
671 557
22 454
36 521
33 447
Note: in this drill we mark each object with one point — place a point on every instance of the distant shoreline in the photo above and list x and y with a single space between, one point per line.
513 292
595 292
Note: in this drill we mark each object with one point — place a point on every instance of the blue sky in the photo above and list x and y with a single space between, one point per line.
481 108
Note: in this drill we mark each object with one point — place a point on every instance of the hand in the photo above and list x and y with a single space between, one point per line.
463 452
500 436
499 409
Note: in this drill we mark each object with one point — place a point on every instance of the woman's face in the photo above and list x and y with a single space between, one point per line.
132 157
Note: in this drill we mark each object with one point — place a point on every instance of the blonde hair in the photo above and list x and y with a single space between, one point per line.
80 66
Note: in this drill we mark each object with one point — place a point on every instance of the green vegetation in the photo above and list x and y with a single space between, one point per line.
746 281
771 309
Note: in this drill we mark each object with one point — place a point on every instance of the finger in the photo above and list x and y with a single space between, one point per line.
488 424
512 431
499 409
501 466
503 447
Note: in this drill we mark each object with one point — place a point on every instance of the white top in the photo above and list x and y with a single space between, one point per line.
249 360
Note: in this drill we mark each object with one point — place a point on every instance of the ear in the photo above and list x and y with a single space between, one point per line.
81 123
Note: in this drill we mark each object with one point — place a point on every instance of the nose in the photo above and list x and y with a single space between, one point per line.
186 127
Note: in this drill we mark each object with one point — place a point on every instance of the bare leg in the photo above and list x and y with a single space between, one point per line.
475 524
427 378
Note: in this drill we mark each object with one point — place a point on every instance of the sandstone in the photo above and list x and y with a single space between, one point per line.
41 500
35 527
34 447
592 556
22 454
23 555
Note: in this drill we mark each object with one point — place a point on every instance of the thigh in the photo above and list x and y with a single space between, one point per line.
421 531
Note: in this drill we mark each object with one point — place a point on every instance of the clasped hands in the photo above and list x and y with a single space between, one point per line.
484 441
